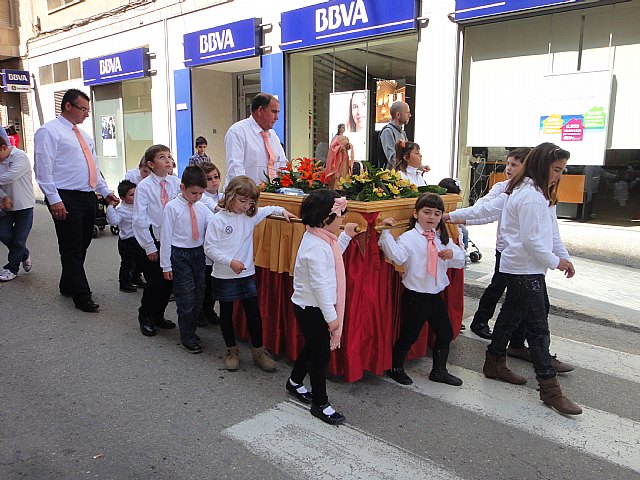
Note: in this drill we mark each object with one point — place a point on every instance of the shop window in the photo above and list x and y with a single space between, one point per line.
53 5
57 98
46 74
6 17
60 72
75 69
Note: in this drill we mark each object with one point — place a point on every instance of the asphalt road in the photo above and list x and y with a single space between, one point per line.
87 396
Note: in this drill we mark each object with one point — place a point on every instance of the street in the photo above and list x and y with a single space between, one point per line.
87 396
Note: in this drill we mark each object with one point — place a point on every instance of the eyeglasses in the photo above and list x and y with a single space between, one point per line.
246 201
82 109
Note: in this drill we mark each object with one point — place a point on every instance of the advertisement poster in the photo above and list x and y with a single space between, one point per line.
387 93
575 111
109 145
350 109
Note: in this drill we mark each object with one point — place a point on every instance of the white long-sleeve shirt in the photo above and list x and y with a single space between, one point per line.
176 228
410 250
16 180
529 228
133 175
314 275
122 217
246 152
60 163
230 237
147 209
414 175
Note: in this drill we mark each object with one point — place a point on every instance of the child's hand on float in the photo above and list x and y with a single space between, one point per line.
388 222
288 215
351 229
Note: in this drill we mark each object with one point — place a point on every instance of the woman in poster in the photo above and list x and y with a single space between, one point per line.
339 158
357 119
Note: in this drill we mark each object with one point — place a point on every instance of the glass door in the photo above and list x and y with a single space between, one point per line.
109 132
248 85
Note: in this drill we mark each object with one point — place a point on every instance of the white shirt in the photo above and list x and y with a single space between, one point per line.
314 275
122 217
410 251
147 209
133 175
210 201
60 163
414 175
246 152
230 237
16 180
176 228
529 228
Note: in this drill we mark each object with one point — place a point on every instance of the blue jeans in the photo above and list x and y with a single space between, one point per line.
14 231
188 266
526 301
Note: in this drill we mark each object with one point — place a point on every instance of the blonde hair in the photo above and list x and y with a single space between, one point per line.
241 186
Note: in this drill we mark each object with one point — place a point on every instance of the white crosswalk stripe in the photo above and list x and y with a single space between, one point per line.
288 437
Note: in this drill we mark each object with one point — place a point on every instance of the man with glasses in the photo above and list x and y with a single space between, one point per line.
67 171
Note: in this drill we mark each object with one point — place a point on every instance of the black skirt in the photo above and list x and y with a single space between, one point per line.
232 289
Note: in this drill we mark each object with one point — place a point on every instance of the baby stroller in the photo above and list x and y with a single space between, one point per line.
100 222
470 248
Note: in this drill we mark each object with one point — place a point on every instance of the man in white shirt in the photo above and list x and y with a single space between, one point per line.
252 147
16 195
67 172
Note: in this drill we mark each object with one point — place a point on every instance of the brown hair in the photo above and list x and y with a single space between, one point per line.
404 149
536 166
241 186
431 200
151 152
209 167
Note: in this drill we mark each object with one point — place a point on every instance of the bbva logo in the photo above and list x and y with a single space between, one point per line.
110 65
216 41
338 15
17 77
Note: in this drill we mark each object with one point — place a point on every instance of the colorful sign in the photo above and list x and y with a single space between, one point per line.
225 42
342 20
16 81
116 67
573 130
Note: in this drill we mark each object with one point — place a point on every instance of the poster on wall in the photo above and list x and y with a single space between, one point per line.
387 93
350 108
109 144
575 113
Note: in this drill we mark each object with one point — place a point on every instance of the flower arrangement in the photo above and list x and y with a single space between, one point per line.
304 173
375 184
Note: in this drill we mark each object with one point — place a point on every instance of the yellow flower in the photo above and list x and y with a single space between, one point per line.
403 182
385 175
362 178
413 187
393 189
379 192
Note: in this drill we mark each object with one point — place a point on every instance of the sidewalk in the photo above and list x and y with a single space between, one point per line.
601 292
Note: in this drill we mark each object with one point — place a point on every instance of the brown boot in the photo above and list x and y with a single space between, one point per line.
551 394
495 367
232 360
561 367
524 354
263 359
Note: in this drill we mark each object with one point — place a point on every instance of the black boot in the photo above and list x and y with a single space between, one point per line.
397 372
439 372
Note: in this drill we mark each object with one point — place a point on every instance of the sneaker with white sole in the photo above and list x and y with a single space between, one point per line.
7 275
26 264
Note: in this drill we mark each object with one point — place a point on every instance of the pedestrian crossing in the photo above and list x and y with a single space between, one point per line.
288 438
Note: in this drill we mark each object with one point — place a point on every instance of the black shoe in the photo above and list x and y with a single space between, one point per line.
192 347
482 330
128 288
462 327
164 323
197 337
87 306
400 376
443 376
303 397
212 317
336 418
172 297
139 282
148 330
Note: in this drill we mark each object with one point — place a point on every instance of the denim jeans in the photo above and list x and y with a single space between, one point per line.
526 301
14 231
188 267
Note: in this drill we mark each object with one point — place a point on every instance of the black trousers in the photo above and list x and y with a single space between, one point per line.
130 257
74 237
314 356
155 296
208 303
417 308
254 322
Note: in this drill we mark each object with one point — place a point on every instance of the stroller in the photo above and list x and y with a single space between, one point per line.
100 223
470 248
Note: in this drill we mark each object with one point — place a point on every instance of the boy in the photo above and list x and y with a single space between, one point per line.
130 252
16 194
184 225
200 156
152 194
139 173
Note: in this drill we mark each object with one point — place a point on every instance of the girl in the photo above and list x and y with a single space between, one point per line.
229 243
318 297
529 229
409 162
426 252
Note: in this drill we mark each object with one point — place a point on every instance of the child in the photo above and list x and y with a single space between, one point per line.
139 173
152 194
529 229
16 194
409 162
229 243
184 224
426 253
200 156
318 297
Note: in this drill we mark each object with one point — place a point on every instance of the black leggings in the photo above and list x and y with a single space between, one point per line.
254 322
418 308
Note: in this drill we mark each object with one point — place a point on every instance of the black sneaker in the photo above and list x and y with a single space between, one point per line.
139 282
192 347
400 376
128 288
212 317
164 323
293 390
336 418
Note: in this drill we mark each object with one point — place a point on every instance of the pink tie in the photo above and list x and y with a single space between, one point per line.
194 222
93 175
432 253
272 158
164 196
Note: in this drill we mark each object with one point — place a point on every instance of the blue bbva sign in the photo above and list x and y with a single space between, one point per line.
116 67
479 9
16 80
225 42
342 20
